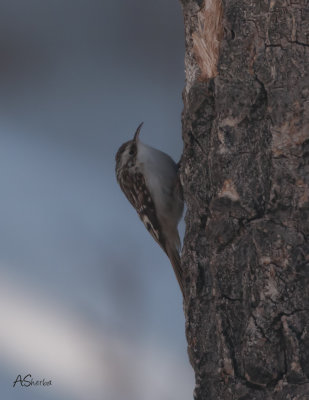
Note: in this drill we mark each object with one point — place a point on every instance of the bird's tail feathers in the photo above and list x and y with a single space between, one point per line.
174 257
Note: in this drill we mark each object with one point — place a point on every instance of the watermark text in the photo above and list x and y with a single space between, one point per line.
27 381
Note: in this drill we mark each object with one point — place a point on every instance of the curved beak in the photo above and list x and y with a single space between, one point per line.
136 135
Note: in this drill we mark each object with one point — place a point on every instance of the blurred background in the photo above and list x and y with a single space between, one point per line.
87 299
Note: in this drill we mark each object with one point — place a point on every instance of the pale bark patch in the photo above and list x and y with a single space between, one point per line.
207 37
228 190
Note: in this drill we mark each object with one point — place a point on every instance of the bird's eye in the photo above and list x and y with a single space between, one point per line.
131 152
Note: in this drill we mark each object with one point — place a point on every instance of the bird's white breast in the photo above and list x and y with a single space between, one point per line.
160 173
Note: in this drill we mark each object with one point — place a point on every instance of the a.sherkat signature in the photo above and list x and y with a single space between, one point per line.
27 381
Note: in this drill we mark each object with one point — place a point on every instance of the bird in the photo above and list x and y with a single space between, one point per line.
149 179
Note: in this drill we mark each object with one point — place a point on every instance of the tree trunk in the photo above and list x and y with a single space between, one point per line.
245 174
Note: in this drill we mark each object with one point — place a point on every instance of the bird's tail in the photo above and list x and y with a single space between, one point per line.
174 257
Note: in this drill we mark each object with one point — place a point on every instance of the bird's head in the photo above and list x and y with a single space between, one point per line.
127 152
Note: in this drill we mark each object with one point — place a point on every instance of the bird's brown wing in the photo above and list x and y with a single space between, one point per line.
134 187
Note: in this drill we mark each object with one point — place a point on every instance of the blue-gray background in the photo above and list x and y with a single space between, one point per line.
87 299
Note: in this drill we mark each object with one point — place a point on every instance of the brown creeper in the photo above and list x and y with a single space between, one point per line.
149 179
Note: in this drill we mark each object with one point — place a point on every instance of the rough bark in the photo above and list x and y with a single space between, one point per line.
245 174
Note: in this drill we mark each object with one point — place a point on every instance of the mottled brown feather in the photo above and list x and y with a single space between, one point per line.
134 187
